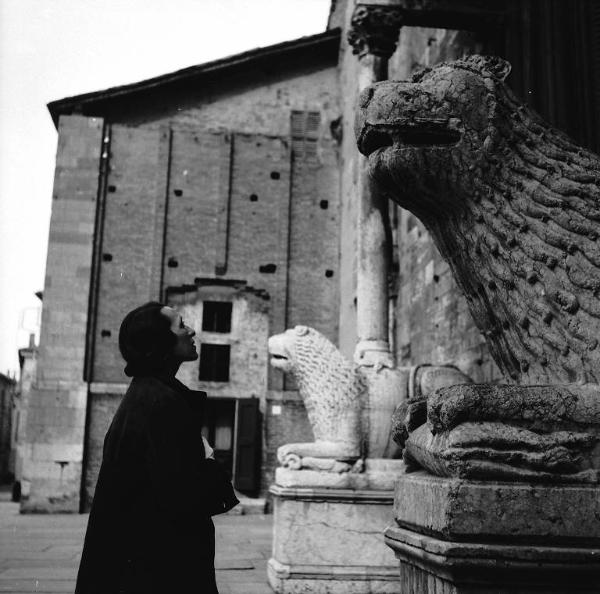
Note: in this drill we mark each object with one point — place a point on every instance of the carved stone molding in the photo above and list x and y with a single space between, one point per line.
375 24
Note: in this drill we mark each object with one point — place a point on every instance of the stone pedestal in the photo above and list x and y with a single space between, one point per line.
463 537
328 531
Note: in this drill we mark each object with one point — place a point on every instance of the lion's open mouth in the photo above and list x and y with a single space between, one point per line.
423 134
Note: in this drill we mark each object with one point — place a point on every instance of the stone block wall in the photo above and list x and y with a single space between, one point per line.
102 407
51 450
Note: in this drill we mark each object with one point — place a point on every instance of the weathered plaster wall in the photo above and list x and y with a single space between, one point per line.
247 341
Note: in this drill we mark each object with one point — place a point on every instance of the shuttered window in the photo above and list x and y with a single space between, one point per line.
216 316
305 127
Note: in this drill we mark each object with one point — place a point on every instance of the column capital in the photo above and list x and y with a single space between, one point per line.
374 29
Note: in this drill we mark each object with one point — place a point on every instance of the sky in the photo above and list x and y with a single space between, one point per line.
50 49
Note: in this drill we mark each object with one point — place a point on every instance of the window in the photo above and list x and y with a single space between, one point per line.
216 316
214 362
305 127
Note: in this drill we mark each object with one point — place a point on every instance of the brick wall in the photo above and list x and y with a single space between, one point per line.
134 208
215 190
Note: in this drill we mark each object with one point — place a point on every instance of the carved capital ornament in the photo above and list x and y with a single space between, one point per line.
374 29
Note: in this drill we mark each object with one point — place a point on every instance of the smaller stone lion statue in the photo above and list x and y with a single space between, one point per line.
342 400
332 391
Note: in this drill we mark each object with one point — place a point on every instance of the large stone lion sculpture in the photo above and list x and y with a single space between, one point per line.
336 394
514 206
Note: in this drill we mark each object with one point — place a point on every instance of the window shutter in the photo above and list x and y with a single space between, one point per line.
305 126
248 439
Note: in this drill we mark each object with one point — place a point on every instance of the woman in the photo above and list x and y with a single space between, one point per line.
150 528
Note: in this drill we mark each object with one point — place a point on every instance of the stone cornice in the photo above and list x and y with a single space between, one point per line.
375 24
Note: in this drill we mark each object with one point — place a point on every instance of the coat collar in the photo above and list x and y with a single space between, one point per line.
195 398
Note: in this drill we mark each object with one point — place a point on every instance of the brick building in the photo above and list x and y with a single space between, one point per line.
214 189
230 190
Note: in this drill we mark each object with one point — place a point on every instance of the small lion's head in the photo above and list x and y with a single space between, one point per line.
416 133
282 348
311 358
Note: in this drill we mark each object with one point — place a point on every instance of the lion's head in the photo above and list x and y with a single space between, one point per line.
416 132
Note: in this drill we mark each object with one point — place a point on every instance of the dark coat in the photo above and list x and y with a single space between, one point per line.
150 528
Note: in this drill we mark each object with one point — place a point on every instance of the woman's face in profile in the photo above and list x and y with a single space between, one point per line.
185 347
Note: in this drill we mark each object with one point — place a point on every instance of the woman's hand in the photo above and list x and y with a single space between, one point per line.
208 451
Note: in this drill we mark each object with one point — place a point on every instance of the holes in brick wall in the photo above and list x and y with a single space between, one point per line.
329 273
253 198
267 268
172 263
324 204
436 278
107 257
105 333
275 175
178 192
112 188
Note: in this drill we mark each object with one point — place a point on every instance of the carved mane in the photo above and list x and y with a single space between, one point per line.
328 383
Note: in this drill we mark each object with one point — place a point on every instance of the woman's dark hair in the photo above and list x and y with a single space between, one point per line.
146 339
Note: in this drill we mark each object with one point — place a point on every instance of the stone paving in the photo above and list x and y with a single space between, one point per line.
40 553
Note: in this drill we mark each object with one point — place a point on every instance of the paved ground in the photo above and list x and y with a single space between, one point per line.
40 553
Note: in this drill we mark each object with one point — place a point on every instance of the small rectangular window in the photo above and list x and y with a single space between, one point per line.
216 316
214 362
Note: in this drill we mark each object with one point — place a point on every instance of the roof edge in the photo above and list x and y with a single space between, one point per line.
63 106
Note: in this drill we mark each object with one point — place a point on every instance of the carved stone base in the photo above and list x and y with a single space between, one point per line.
330 540
464 537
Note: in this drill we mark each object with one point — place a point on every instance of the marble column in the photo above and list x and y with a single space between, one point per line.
373 35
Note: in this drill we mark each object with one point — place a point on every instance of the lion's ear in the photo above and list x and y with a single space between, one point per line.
499 67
